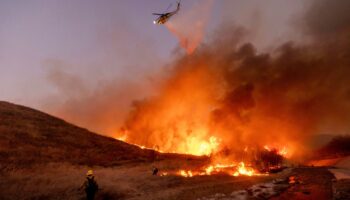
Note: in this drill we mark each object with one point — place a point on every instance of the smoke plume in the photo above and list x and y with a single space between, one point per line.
189 25
100 108
227 94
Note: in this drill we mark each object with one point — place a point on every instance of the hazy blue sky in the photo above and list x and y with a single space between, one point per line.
99 40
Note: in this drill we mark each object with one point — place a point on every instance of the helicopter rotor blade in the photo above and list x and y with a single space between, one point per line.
168 7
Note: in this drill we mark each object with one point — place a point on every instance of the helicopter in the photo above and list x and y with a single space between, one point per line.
164 17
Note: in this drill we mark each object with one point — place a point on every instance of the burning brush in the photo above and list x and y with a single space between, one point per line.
263 162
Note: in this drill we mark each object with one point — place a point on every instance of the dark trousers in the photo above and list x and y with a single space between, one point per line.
90 195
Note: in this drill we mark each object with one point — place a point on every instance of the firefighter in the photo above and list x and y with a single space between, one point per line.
155 171
90 186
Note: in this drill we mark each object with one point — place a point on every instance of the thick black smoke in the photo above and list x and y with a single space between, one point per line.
284 96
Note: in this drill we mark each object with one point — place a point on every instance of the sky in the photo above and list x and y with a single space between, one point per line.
95 41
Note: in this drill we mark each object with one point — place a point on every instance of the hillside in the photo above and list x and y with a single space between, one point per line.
28 137
43 157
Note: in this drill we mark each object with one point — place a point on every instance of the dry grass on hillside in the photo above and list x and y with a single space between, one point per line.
30 137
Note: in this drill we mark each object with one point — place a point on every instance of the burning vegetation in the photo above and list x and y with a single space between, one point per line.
263 161
233 103
235 110
247 109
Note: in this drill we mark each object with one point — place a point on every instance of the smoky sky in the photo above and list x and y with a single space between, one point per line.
102 96
328 18
233 91
122 60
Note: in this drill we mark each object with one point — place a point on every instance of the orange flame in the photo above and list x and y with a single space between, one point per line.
281 151
243 170
231 169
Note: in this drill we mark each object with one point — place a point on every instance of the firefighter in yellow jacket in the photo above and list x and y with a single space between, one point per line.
90 185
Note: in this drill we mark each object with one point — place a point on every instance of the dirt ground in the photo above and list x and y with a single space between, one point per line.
136 182
311 183
132 181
